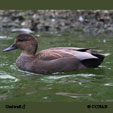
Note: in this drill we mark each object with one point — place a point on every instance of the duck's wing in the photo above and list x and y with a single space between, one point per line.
51 55
71 48
60 52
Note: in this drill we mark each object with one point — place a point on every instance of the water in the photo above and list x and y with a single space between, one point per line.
90 85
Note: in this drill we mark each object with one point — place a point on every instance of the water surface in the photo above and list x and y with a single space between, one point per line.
93 85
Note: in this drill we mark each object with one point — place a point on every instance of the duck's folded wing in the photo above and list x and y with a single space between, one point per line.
71 48
83 49
55 54
52 55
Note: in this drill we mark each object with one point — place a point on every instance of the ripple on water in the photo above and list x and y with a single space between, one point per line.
9 77
73 95
53 78
7 81
13 67
106 67
7 87
5 37
24 73
4 64
108 84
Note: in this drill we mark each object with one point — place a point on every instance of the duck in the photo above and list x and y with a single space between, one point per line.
59 59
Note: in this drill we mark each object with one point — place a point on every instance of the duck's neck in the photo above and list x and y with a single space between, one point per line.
26 54
30 51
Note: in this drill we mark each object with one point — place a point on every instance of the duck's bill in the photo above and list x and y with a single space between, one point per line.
12 47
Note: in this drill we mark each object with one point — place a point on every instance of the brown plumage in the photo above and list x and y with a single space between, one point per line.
51 60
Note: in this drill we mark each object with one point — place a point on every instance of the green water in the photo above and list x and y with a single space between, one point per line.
95 85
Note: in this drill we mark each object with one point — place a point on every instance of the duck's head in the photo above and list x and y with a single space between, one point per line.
25 42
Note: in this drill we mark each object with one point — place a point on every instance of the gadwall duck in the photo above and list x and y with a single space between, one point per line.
59 59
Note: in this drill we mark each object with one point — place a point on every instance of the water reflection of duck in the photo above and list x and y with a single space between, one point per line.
59 59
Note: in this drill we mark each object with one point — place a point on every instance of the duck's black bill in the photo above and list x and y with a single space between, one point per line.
12 47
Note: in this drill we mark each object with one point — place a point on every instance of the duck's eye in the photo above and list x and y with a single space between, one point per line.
21 40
